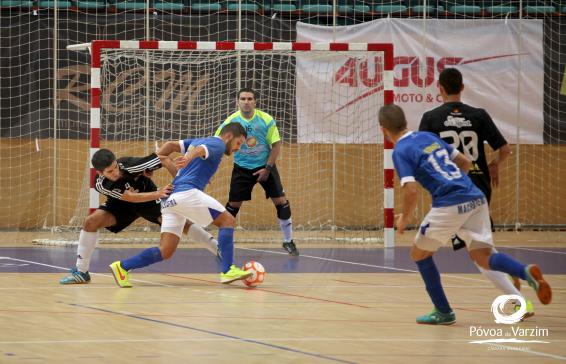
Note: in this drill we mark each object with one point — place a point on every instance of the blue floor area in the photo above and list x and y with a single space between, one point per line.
319 260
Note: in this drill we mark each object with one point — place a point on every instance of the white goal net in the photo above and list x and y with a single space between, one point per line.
325 104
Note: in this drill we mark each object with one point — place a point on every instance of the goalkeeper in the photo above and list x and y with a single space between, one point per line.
255 162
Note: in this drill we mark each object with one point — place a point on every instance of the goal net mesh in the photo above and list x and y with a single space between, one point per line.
331 161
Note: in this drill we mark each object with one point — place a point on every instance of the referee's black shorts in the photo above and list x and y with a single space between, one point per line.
243 182
128 212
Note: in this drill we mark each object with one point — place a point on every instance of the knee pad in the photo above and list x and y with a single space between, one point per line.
284 211
232 210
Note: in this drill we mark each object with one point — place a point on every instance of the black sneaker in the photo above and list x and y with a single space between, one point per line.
291 248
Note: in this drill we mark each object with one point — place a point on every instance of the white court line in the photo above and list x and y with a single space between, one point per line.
217 339
533 250
365 264
273 286
96 274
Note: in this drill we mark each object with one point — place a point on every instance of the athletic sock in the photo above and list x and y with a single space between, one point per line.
287 229
431 278
143 259
198 234
504 263
87 244
226 243
500 280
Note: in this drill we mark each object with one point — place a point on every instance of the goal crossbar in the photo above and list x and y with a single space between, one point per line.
98 46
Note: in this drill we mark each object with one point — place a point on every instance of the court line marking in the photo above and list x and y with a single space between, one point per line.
533 250
96 274
364 264
282 339
215 333
271 291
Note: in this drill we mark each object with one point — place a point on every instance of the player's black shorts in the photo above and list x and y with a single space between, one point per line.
128 212
243 182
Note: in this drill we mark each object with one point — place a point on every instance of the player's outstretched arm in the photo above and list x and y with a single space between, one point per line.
137 197
462 162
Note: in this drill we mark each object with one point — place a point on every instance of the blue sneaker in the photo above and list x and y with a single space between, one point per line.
437 318
537 282
76 277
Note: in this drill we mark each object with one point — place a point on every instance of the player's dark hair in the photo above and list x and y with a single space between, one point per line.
102 159
236 129
392 118
250 90
451 80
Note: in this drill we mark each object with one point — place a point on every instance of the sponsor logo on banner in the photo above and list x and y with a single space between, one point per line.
506 79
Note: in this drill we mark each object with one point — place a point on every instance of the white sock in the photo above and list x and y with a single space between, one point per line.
287 229
500 280
87 243
199 235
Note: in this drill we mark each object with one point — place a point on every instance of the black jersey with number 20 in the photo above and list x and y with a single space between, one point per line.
466 128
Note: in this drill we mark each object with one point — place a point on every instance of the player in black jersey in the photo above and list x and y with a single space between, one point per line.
467 128
130 192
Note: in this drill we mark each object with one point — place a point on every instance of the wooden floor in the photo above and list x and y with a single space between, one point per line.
306 318
292 318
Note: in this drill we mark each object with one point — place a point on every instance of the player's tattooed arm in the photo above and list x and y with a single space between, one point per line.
137 197
199 151
164 155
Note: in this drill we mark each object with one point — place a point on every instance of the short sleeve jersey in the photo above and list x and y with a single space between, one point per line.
132 178
199 171
262 133
425 158
466 128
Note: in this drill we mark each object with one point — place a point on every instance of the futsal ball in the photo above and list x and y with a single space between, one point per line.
258 274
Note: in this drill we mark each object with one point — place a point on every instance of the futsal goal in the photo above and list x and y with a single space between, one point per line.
335 166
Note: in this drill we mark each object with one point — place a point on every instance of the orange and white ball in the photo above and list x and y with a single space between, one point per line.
258 274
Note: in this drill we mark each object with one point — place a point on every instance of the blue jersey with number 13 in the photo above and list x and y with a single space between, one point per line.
427 159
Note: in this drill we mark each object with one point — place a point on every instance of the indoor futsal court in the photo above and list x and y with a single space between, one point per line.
264 181
344 304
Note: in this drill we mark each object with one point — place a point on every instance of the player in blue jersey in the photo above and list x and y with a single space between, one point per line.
188 202
467 129
255 162
130 194
458 207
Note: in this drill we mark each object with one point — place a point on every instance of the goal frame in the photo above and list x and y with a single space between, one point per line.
96 48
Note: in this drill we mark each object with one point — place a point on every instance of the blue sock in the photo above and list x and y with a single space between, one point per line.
504 263
431 277
143 259
226 243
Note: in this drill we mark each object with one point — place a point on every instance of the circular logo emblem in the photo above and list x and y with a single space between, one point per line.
498 306
251 142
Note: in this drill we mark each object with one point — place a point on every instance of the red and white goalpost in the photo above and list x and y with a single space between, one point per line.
332 180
